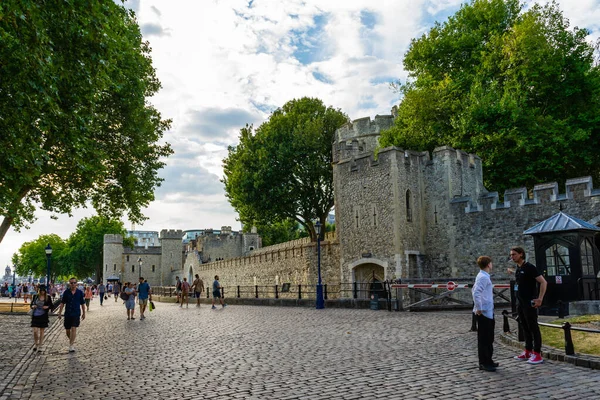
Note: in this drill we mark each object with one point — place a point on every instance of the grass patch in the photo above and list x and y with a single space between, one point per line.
583 342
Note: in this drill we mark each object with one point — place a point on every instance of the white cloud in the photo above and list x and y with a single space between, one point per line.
223 64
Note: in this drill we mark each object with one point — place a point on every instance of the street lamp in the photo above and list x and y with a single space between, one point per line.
140 267
320 301
48 250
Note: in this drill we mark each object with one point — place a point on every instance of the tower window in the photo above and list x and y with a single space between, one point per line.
408 207
133 268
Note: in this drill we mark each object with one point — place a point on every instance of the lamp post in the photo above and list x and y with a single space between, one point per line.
48 250
320 301
140 267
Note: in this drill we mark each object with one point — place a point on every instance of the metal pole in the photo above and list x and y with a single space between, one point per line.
48 256
320 300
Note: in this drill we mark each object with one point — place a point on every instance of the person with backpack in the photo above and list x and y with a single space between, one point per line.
198 287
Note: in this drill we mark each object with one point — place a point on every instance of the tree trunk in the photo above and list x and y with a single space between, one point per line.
5 226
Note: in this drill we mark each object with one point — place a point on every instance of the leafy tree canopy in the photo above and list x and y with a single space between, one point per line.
518 88
85 246
76 125
31 257
282 170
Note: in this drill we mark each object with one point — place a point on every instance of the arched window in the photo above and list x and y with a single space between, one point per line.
557 260
408 206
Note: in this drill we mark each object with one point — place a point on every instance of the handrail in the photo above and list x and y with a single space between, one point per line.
566 326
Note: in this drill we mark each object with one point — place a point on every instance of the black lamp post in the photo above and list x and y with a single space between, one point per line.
48 250
320 301
140 267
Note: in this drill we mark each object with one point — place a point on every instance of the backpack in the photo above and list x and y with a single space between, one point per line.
124 296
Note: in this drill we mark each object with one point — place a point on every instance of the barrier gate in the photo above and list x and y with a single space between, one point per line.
429 290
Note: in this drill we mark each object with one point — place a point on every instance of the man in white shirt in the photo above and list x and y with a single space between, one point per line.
483 300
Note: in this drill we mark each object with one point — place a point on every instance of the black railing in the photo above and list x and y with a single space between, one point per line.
566 327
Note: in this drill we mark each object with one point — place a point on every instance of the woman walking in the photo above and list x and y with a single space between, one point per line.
130 302
87 295
41 306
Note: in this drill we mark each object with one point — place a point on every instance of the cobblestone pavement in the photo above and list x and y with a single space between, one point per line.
273 353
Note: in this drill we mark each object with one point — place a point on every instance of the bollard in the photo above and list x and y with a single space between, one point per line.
561 310
473 322
355 290
299 292
325 291
569 350
238 291
506 326
256 291
276 292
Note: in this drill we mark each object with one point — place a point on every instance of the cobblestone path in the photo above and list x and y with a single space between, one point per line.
249 352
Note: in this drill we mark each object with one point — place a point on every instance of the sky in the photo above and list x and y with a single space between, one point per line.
227 63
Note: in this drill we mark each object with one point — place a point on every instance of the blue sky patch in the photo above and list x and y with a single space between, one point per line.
308 43
383 79
321 77
368 19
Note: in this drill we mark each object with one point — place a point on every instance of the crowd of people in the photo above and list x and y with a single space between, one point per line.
75 298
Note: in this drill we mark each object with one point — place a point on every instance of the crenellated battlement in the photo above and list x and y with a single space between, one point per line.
575 189
171 234
110 238
359 136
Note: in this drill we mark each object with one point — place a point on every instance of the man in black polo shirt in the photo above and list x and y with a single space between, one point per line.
74 300
528 300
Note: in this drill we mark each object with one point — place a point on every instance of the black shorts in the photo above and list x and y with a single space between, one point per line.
217 294
197 295
71 322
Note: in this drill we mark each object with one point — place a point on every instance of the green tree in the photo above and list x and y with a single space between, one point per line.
31 257
282 170
516 87
85 246
76 125
280 232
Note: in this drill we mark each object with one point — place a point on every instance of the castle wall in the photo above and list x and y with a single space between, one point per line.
486 226
293 262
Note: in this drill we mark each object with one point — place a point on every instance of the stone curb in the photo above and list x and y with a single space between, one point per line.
551 353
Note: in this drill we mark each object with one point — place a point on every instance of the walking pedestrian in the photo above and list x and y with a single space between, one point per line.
88 296
144 292
483 300
109 288
130 302
178 289
74 300
117 290
101 292
217 293
185 293
41 305
528 301
198 287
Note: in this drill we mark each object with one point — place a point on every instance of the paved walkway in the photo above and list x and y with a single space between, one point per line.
254 352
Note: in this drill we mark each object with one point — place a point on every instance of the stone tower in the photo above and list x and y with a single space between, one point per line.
172 258
113 256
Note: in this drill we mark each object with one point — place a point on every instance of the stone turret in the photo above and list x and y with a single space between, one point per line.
172 257
112 259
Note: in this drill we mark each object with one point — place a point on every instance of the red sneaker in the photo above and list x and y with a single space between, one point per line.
536 358
524 356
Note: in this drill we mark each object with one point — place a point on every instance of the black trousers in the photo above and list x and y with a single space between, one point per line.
528 317
485 339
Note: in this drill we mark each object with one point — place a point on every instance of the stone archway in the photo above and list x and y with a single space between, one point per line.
369 278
